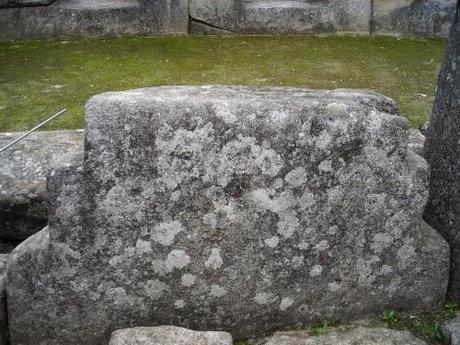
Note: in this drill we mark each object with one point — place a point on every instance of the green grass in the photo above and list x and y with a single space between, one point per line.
39 78
426 326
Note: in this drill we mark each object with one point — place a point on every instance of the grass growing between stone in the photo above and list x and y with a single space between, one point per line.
39 78
426 326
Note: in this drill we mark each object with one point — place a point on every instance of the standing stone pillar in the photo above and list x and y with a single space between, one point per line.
442 150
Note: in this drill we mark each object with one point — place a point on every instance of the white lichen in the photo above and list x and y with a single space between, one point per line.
263 298
215 260
272 242
165 233
188 280
217 291
286 303
316 271
177 259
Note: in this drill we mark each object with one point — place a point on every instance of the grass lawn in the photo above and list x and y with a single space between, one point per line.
39 78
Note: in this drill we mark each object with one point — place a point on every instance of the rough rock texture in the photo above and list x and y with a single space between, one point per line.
442 150
168 335
229 208
451 331
23 171
217 14
416 141
3 312
304 16
359 335
101 18
413 17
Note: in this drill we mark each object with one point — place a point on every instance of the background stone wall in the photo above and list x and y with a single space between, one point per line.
109 18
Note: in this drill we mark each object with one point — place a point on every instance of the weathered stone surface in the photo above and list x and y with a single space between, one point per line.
442 150
305 16
229 208
218 14
416 141
101 18
23 171
451 331
413 17
3 312
168 335
359 335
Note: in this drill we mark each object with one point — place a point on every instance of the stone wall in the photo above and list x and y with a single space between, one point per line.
98 18
110 18
413 17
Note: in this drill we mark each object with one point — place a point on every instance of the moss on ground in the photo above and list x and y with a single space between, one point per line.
38 78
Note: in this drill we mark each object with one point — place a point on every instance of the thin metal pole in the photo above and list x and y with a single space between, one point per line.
32 130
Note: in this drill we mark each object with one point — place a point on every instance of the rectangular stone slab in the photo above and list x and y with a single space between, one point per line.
229 208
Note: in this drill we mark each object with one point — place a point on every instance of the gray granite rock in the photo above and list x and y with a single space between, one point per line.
442 150
413 17
304 16
355 336
95 18
3 309
229 208
216 14
451 331
23 171
416 141
168 335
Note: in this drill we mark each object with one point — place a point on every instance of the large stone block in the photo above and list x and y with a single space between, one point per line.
101 18
305 16
353 336
23 171
168 335
229 208
442 150
413 17
218 14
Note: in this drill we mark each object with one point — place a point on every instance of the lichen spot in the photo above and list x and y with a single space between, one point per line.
143 247
263 298
296 177
337 109
405 254
272 242
316 271
179 304
333 286
165 233
217 291
177 259
322 246
188 280
286 303
154 288
215 260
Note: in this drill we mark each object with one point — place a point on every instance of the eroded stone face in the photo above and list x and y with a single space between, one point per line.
229 208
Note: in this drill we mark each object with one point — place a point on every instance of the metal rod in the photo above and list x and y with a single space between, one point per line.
33 130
